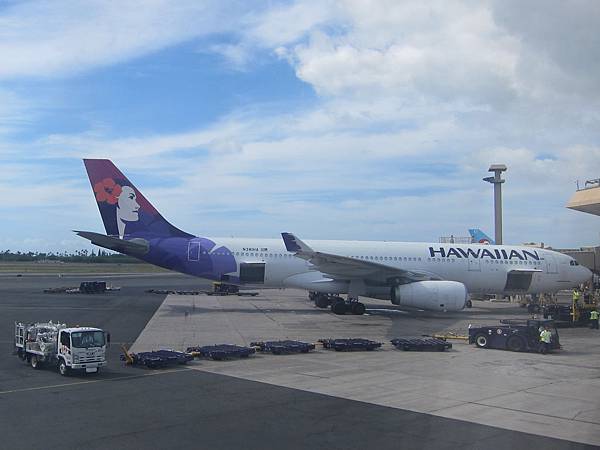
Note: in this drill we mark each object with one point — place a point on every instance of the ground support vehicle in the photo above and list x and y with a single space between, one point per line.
220 288
56 345
341 345
337 304
92 287
221 351
421 344
513 334
169 292
284 347
86 287
156 359
573 315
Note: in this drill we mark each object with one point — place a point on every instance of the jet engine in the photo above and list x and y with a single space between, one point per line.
431 295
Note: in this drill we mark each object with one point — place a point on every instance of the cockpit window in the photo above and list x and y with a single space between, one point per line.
573 263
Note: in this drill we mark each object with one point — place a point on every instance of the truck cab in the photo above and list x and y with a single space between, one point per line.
82 348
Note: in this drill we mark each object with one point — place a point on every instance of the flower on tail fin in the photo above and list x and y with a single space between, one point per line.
107 191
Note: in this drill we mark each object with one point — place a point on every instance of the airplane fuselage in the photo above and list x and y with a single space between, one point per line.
482 269
422 275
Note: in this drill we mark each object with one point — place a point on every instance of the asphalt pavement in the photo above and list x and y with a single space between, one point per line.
131 408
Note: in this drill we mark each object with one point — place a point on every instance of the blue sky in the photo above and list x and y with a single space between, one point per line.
331 119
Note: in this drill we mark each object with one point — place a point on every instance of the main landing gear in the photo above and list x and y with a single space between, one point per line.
338 304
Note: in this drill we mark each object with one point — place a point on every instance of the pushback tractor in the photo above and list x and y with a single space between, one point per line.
514 334
69 349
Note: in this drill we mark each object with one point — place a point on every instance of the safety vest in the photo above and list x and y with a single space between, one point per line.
594 315
576 295
545 336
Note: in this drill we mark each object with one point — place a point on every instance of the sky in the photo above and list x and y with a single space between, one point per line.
331 119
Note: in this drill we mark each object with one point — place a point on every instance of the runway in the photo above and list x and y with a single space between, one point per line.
220 406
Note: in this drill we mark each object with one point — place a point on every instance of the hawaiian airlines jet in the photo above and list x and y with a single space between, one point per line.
421 275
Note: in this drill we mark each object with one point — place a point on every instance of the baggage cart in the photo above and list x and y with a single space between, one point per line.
350 344
220 352
421 344
284 347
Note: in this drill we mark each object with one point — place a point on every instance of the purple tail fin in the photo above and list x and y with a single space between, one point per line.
125 211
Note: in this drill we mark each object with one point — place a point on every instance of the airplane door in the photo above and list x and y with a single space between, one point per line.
551 266
518 281
252 273
193 251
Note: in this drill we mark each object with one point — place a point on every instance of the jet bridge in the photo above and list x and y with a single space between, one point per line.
587 198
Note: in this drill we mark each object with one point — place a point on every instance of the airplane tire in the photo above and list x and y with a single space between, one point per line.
469 303
481 340
339 308
358 309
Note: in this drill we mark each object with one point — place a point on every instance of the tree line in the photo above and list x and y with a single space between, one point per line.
78 256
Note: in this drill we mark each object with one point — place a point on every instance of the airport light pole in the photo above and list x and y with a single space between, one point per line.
497 181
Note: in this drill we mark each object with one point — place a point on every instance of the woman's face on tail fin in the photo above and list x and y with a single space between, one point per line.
128 206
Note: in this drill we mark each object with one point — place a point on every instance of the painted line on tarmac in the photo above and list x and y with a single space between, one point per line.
77 383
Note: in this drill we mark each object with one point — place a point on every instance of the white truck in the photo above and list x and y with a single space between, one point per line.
67 348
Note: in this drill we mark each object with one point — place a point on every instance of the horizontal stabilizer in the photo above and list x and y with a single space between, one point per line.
135 247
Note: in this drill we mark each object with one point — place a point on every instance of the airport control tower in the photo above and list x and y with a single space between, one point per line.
587 198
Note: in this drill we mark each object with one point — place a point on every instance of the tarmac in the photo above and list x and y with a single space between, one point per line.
464 398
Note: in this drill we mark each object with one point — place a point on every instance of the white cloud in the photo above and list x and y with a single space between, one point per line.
47 38
415 100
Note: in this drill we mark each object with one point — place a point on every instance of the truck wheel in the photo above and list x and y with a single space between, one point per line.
63 369
358 309
481 340
515 344
322 301
35 362
339 307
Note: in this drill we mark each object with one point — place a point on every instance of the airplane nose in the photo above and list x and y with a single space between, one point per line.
586 274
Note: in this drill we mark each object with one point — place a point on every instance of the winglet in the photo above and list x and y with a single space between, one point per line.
293 244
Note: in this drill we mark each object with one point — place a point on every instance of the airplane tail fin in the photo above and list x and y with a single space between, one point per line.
479 237
124 209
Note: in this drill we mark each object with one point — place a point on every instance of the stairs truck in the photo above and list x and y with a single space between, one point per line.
81 349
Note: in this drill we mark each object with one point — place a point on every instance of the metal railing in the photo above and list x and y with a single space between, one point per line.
456 240
589 184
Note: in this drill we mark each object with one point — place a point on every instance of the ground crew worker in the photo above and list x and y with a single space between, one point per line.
594 315
545 339
576 296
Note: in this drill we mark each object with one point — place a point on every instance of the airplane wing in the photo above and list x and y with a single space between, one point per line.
344 267
132 247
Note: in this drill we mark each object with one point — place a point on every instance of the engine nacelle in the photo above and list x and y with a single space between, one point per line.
431 295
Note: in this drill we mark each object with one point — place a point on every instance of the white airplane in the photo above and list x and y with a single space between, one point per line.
428 276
